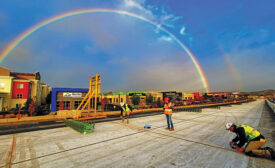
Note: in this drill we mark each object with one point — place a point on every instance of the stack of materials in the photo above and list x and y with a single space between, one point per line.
80 126
64 114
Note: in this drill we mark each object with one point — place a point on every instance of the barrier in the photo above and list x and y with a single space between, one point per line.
65 114
270 105
80 126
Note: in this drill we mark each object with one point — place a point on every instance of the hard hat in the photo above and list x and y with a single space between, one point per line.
228 125
122 104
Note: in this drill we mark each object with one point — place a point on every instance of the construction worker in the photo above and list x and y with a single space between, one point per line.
168 110
125 111
253 138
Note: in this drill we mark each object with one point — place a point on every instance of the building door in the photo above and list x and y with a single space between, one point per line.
1 103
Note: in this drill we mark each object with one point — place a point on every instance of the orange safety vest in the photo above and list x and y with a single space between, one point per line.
167 109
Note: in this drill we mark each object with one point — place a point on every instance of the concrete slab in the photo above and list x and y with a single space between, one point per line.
199 140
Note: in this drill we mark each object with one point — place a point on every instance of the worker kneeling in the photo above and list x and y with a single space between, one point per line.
125 111
253 138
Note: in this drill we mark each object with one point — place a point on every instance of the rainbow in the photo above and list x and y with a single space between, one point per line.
233 70
38 26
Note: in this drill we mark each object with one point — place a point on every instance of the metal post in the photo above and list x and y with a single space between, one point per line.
89 101
96 91
18 115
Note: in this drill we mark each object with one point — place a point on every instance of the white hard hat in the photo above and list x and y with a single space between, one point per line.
122 104
228 125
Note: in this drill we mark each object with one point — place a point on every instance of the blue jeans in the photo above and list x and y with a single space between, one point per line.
169 121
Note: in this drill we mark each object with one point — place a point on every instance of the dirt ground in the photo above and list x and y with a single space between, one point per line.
199 140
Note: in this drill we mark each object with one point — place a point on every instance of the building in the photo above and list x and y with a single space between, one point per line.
70 98
219 94
188 96
115 98
157 95
67 98
44 93
5 88
17 87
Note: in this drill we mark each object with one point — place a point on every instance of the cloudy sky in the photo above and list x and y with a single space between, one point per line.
233 41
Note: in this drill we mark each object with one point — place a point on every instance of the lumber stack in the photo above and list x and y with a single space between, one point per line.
64 114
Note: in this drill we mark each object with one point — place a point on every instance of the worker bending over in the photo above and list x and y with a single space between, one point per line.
253 138
125 111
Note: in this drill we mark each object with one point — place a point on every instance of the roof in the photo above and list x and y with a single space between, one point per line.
69 90
20 75
24 74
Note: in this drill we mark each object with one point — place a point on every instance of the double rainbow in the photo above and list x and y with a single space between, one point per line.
38 26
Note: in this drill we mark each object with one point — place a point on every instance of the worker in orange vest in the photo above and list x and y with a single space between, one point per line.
168 110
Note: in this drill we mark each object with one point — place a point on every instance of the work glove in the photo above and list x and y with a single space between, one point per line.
239 149
231 143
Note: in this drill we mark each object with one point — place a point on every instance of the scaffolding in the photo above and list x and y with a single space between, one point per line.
93 93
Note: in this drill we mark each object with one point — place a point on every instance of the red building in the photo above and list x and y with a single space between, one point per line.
219 94
196 95
21 90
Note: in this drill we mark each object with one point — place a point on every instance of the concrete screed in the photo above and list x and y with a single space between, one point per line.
199 140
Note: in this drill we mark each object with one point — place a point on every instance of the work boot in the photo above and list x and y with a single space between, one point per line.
272 153
171 129
167 128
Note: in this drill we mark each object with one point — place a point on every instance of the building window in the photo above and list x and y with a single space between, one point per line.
76 104
19 96
117 100
20 86
67 105
121 100
2 85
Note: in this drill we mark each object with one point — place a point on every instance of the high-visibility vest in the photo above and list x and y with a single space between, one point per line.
167 109
250 133
126 109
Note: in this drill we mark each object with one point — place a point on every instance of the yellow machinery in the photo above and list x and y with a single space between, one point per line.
94 92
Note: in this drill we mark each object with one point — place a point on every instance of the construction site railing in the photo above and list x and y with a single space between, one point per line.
190 108
271 105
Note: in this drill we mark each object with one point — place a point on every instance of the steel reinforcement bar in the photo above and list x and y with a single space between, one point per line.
80 126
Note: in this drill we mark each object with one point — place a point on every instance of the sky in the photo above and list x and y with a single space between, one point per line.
233 41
